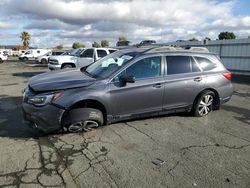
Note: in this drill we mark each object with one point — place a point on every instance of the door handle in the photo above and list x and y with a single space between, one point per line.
197 79
158 85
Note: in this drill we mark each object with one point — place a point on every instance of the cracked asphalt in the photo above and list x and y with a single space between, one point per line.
177 150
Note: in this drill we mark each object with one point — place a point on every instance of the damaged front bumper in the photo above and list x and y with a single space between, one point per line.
46 118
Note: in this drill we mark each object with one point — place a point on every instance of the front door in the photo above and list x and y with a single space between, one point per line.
145 95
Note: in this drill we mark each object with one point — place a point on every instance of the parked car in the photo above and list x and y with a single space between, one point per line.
7 52
63 61
84 58
3 57
127 84
147 42
44 58
29 54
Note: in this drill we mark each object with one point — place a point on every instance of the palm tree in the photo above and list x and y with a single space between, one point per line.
25 37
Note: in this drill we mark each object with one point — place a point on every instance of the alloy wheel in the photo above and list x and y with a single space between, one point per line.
82 126
205 105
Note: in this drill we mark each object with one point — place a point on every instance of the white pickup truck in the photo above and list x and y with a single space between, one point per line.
80 58
3 57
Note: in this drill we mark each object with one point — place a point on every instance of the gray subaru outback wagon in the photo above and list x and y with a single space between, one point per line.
130 83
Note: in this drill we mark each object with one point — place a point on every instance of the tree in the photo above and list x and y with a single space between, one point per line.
193 39
76 45
105 43
96 45
226 35
122 38
59 47
122 41
25 37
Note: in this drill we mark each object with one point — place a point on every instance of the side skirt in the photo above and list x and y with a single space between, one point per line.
114 119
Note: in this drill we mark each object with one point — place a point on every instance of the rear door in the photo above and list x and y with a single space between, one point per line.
145 95
183 81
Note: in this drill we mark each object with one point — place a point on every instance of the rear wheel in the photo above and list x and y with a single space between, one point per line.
44 61
67 66
204 105
1 61
84 119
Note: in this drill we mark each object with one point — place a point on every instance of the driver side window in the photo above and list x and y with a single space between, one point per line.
146 68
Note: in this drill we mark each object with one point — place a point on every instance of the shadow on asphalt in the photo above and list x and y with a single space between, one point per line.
241 79
27 74
11 124
244 113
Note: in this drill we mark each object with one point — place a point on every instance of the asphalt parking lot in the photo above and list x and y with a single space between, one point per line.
177 150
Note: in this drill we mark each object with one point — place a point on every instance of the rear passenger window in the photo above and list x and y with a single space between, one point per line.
205 63
178 64
101 53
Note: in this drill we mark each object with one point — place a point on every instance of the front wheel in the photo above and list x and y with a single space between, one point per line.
44 61
1 61
84 119
25 59
204 105
67 66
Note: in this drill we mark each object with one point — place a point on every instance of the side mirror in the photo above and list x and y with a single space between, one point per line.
124 79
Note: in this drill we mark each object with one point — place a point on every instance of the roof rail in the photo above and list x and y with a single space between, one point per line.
196 49
163 48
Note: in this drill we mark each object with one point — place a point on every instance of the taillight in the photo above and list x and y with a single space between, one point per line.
228 75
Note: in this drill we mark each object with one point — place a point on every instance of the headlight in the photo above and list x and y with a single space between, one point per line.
42 100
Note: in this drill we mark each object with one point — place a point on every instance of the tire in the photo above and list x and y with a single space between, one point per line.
1 61
25 59
44 61
204 104
84 119
67 66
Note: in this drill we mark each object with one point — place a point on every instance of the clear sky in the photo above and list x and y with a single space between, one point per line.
54 22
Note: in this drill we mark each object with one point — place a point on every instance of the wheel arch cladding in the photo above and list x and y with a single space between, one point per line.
217 97
88 103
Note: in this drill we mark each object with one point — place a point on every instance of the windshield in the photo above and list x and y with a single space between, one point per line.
67 53
106 66
48 53
76 52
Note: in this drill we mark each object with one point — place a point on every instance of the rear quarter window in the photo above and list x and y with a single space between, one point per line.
205 63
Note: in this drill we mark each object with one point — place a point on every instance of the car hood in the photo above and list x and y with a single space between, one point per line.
64 57
59 80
